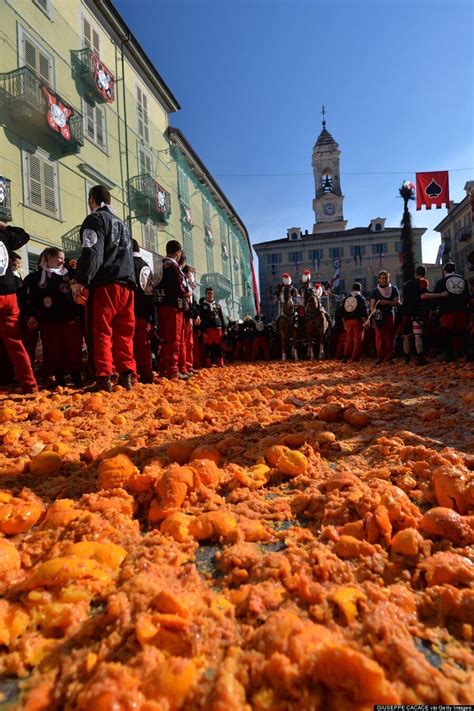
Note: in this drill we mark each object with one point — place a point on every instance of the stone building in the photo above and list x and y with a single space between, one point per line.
359 252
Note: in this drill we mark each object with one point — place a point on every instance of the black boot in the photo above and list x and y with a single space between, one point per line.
103 383
77 381
421 360
125 380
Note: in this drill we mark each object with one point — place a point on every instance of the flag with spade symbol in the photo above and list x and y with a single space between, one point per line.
432 189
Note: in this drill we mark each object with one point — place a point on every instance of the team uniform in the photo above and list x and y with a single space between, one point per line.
171 296
106 268
260 343
454 316
354 313
414 315
48 299
212 328
384 320
11 239
143 308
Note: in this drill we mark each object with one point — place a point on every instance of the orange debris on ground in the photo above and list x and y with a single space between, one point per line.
277 537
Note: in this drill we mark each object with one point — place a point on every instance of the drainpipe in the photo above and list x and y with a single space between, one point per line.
127 164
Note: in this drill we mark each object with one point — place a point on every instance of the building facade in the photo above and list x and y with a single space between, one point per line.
358 253
457 235
81 104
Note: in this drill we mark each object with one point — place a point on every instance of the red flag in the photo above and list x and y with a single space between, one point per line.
104 80
432 189
58 114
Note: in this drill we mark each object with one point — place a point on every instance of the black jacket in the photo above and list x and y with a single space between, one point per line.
107 253
211 315
412 305
172 289
458 293
11 238
359 307
143 303
50 302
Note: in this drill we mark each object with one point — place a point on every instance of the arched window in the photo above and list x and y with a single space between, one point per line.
378 227
327 180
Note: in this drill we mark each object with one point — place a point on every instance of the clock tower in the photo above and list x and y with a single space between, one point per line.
328 201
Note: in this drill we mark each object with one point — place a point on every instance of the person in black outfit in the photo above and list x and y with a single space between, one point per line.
143 308
414 315
213 328
12 238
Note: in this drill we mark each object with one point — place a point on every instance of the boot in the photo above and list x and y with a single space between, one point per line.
125 380
103 383
60 380
421 360
406 358
77 381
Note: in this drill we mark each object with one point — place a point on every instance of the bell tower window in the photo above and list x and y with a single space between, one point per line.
327 181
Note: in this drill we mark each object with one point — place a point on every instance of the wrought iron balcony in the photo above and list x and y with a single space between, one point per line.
220 283
464 234
5 200
72 241
149 198
88 66
25 97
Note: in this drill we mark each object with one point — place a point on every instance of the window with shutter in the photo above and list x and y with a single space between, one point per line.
36 59
149 237
94 124
145 160
41 179
142 115
183 186
90 36
45 5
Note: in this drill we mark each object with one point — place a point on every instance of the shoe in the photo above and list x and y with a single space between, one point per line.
183 376
77 381
60 380
125 380
421 360
406 358
29 389
103 383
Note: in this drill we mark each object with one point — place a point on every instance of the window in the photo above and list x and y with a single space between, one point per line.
336 252
294 235
398 247
315 255
378 227
90 36
467 220
44 5
145 160
357 250
206 211
40 178
183 186
187 243
209 258
34 56
149 237
295 257
142 115
274 258
379 248
94 124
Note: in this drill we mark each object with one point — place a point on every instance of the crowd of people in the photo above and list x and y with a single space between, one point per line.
136 324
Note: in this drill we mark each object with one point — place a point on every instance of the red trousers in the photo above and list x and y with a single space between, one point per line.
170 326
353 345
455 321
260 344
242 351
142 349
62 347
10 334
212 340
384 339
186 358
341 344
111 323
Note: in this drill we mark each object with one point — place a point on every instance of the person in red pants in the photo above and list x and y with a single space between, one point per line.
383 300
260 344
143 307
50 309
105 279
12 238
354 313
171 295
213 327
191 315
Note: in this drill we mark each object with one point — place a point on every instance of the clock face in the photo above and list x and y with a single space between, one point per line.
329 208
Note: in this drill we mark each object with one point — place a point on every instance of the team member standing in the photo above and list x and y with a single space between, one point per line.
212 327
191 318
260 342
105 275
354 313
171 295
143 308
384 298
414 315
12 238
50 309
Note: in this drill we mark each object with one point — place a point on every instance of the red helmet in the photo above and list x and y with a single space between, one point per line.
285 275
317 284
306 271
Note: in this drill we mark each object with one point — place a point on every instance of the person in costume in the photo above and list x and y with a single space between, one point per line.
143 309
51 310
414 315
354 313
171 294
452 294
212 327
279 293
261 343
383 301
191 315
12 238
105 281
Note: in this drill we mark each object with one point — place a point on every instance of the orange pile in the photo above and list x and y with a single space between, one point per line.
281 537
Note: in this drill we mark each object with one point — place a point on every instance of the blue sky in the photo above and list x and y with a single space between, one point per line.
251 75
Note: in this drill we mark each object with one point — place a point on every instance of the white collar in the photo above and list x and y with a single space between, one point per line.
356 293
172 260
137 254
47 271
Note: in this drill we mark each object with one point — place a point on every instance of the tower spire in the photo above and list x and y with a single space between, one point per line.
323 111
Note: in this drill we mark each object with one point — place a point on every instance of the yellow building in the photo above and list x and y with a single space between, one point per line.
457 234
81 104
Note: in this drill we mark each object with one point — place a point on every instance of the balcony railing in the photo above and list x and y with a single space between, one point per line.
72 241
150 198
221 284
22 93
464 234
88 66
5 200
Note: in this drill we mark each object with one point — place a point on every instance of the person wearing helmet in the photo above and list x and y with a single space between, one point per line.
286 281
